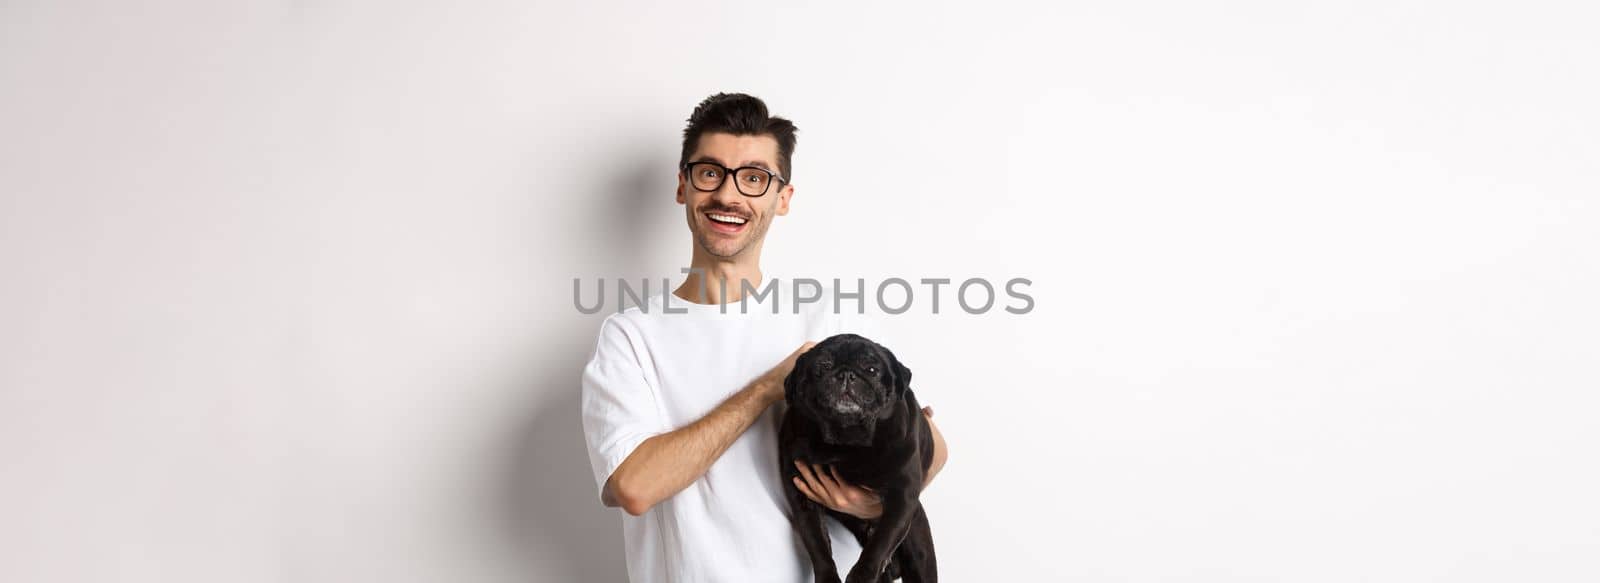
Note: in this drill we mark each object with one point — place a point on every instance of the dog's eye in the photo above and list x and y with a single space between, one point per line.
872 370
824 364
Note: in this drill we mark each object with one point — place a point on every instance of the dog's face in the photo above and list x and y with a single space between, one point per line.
847 383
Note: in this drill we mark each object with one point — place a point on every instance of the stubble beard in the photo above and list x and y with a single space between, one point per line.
756 233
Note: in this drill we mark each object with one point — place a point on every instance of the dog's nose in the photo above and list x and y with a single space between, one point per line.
848 376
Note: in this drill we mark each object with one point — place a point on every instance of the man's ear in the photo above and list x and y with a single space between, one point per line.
680 188
783 198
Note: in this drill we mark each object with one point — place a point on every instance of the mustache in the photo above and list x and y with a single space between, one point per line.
721 210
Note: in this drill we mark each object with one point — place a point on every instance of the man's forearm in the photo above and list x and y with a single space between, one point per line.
940 454
665 464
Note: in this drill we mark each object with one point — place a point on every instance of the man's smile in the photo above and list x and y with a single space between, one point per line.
726 223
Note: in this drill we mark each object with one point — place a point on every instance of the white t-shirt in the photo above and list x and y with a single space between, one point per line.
653 372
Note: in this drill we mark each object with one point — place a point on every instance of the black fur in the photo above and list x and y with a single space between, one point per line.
850 405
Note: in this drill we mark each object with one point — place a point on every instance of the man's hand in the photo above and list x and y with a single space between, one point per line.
823 485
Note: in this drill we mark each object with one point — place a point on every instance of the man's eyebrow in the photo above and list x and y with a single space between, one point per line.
756 163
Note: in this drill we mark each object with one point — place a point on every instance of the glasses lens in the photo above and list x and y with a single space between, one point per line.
705 176
753 181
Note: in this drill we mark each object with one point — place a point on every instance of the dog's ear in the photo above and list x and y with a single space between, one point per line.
792 382
902 375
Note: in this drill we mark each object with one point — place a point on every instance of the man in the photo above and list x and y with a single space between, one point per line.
678 398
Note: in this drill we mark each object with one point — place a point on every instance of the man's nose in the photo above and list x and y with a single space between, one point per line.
728 192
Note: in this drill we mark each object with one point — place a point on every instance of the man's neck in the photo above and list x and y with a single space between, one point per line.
708 280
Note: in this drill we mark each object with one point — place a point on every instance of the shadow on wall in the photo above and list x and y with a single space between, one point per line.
552 503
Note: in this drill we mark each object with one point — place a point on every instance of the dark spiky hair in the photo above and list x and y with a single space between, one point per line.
741 115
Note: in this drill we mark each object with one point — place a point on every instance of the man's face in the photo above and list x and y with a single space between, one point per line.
722 239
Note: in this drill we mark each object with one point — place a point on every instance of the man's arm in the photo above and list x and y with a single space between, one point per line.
665 464
940 454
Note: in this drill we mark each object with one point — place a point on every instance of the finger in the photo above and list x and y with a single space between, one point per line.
834 471
827 482
835 490
928 410
805 470
847 491
804 489
815 488
807 482
811 480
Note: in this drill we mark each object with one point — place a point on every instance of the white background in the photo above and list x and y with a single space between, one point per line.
287 285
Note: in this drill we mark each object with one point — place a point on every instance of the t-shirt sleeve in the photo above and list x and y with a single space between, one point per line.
620 407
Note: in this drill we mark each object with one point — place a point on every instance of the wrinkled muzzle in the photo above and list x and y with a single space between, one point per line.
848 396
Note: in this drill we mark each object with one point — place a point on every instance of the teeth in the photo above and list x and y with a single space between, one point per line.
727 219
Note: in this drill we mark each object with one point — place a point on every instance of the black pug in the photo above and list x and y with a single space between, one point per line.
850 405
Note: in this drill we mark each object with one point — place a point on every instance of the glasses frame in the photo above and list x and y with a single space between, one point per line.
726 172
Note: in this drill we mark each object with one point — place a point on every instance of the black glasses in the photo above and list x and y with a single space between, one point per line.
750 180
